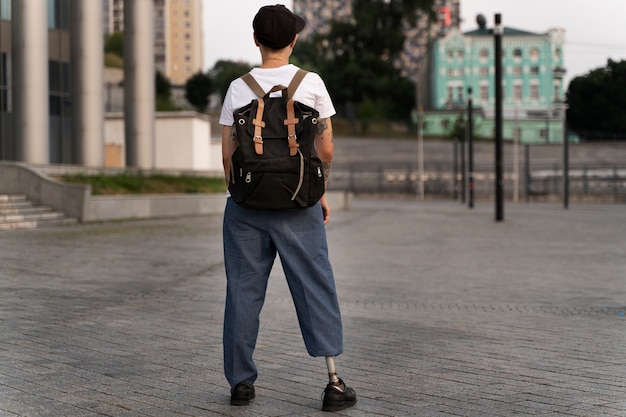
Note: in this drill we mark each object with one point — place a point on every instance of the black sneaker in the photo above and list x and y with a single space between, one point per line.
242 393
337 397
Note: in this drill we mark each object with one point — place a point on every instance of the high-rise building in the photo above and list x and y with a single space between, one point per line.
113 16
177 35
319 13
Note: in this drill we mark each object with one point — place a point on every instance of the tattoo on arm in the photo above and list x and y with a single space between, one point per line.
326 170
322 125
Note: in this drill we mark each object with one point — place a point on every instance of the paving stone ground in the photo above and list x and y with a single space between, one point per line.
446 313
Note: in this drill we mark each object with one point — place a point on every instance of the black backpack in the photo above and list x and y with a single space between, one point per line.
275 166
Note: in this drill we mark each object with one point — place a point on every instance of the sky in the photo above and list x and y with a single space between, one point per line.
594 30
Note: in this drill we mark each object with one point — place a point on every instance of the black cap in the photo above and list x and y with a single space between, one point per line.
276 26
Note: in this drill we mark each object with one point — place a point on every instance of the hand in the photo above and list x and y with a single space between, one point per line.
325 209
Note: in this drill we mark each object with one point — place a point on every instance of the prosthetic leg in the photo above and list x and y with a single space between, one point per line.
332 373
336 396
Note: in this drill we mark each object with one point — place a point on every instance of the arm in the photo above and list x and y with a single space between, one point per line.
228 147
325 150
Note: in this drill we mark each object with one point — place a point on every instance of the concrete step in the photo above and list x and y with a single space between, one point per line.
17 212
40 215
11 201
17 204
33 224
26 209
11 198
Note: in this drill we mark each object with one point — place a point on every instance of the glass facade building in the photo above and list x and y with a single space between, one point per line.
61 146
52 82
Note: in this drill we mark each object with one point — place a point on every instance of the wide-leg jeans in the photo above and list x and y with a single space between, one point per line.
252 238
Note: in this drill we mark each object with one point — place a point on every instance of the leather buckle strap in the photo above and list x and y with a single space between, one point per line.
259 124
291 121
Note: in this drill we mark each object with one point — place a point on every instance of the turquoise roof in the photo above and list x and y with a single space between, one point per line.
507 31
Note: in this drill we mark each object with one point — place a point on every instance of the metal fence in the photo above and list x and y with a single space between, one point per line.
607 183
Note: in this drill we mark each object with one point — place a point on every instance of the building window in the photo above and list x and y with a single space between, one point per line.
483 55
484 71
459 94
517 54
5 104
517 71
59 77
517 92
557 92
450 93
458 72
3 70
534 54
484 93
60 111
534 92
5 9
59 14
534 70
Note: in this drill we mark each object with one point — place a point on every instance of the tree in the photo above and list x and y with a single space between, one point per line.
596 103
114 44
357 57
224 72
197 90
162 86
163 93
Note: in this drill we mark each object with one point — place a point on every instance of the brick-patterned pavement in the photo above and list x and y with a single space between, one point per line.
446 313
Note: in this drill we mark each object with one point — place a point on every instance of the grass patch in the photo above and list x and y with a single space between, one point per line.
113 61
130 183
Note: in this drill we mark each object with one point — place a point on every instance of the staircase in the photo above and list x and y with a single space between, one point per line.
17 212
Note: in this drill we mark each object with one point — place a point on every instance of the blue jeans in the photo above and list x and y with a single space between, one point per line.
251 240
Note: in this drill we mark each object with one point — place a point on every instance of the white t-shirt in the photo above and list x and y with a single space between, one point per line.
312 91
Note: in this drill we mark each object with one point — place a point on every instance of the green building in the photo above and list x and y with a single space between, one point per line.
533 90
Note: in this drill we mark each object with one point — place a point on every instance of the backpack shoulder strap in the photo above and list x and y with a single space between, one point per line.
295 82
253 84
291 89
